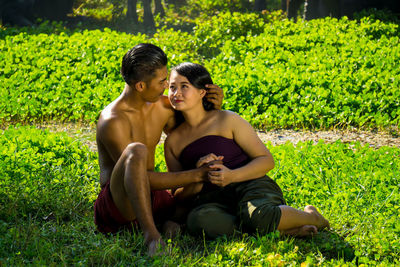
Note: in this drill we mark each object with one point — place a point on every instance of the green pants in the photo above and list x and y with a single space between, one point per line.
252 206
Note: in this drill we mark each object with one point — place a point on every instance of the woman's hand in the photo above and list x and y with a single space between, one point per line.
208 158
220 175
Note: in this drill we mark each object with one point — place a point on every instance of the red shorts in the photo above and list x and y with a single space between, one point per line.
109 220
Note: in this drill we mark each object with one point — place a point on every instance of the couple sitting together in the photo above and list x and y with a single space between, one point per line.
216 180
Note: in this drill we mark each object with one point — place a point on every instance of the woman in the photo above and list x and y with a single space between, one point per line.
236 193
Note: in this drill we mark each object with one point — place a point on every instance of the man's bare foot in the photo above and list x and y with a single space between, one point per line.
321 222
155 245
171 229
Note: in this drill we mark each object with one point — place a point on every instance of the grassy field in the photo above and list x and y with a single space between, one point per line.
276 73
50 181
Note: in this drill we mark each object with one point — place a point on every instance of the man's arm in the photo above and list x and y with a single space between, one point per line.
173 180
113 134
184 191
175 177
112 139
215 95
169 112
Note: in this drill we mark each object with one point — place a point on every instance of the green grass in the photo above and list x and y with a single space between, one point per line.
49 182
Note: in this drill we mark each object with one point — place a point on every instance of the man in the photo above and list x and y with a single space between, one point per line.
128 131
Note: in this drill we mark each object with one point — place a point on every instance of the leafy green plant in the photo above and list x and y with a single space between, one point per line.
318 74
99 9
65 77
211 34
384 15
315 74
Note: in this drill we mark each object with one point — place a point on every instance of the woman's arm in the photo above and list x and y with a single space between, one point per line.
246 137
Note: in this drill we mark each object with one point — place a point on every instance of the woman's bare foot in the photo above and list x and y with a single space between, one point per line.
302 231
171 229
307 230
321 222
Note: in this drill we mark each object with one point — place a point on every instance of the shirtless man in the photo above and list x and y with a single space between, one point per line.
128 131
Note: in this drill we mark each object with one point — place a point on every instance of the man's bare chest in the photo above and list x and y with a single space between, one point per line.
147 131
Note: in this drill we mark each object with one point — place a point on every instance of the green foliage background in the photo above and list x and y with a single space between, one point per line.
277 73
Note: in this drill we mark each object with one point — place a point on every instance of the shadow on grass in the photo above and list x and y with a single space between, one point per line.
328 244
333 246
77 241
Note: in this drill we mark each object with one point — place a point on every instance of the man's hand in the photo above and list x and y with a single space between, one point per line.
215 95
220 175
207 159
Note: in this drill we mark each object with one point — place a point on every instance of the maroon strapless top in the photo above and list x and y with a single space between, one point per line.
234 156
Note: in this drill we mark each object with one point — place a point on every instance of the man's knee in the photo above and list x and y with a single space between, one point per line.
212 220
136 152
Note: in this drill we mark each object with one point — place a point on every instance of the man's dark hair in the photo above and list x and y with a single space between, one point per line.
198 76
141 62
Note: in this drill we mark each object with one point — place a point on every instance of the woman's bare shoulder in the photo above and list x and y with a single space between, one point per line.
222 113
227 115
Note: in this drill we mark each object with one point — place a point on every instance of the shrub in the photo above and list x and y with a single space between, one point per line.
316 74
210 34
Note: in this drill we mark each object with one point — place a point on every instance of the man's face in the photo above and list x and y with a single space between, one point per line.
156 86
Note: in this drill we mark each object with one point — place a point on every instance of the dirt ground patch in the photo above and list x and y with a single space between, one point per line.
87 135
376 140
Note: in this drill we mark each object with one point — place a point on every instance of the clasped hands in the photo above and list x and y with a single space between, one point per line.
217 173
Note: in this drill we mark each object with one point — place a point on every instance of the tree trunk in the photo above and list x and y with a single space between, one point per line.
176 3
348 7
159 8
52 9
260 5
131 14
329 8
313 11
16 12
291 7
148 19
284 6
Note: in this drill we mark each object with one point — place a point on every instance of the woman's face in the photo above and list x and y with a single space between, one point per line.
182 94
